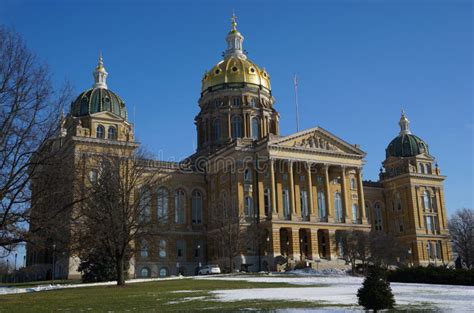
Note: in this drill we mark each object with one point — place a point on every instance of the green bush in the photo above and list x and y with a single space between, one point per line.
432 275
375 293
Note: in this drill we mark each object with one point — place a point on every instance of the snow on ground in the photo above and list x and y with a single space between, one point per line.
342 290
332 287
14 290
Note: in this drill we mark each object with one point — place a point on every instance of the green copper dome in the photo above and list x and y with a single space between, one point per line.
98 100
406 144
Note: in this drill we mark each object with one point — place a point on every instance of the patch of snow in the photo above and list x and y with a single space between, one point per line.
315 272
342 290
15 290
187 299
185 291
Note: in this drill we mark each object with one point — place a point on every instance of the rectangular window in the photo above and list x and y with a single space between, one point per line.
236 102
286 203
304 203
181 249
266 201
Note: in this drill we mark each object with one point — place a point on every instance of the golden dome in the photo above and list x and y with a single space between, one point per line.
235 69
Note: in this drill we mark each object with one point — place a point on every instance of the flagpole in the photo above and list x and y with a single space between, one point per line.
295 81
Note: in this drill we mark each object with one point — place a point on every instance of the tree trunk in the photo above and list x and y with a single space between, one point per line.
119 268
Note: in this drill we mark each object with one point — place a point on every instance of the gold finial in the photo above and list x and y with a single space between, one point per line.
234 21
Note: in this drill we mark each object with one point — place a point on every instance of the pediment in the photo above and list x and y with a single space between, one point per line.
106 115
317 139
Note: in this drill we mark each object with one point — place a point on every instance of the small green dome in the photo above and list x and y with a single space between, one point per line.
406 145
98 100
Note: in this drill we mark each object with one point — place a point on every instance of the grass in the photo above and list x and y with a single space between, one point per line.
38 283
159 296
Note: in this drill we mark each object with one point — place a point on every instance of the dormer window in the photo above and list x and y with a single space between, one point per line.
100 132
112 133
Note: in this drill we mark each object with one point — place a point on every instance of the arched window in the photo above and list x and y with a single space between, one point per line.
248 175
322 205
163 272
338 206
398 202
145 205
304 203
254 134
217 129
197 207
145 272
100 131
355 213
286 203
236 127
428 168
144 250
421 168
112 133
248 206
162 205
162 248
378 216
367 210
426 200
179 206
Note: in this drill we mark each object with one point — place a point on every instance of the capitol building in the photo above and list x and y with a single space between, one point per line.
302 189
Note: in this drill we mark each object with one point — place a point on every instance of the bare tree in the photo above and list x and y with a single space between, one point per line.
229 233
385 249
117 208
29 117
461 228
355 247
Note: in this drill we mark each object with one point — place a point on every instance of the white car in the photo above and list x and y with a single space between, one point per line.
209 269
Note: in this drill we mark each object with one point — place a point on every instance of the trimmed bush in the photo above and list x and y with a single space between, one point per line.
432 275
375 293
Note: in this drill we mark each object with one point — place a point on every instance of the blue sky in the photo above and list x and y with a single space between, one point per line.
358 62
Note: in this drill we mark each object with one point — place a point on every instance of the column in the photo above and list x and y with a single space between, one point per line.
229 127
311 211
245 124
295 250
345 200
360 194
313 237
291 188
329 207
275 242
273 190
260 194
332 249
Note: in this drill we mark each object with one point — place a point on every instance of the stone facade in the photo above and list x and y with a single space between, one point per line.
301 189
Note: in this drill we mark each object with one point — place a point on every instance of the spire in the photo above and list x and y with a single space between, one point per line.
100 74
404 130
234 40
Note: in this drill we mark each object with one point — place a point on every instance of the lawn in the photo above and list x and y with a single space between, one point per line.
158 296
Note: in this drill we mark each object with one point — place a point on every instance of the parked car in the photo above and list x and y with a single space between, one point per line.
209 269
